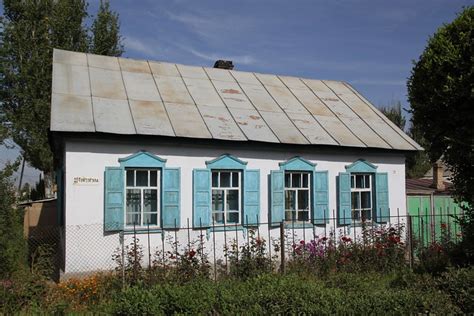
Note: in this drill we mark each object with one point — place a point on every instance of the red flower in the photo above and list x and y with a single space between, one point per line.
302 242
346 239
191 253
324 238
444 226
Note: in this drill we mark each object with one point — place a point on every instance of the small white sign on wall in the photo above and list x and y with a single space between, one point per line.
86 181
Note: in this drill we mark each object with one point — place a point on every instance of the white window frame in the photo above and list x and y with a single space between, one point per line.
301 188
142 190
370 189
226 189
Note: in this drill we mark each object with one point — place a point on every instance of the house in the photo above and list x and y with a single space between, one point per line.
431 204
145 146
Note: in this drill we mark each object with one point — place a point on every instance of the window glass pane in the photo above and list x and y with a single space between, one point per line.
133 219
153 178
133 200
359 181
215 179
287 180
233 200
150 200
296 180
235 179
303 216
305 180
218 200
130 178
365 200
290 200
225 180
232 217
218 206
150 219
290 215
356 215
367 181
366 215
303 200
352 181
218 217
355 200
142 178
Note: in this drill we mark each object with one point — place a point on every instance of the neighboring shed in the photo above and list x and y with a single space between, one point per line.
430 201
140 142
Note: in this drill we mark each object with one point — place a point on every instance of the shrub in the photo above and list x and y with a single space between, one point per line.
249 259
459 285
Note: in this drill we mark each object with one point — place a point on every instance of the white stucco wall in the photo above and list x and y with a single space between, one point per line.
87 248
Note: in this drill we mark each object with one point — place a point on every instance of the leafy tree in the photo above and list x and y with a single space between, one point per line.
12 245
417 163
29 30
441 93
106 38
394 114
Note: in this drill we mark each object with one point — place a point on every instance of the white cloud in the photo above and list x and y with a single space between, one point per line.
139 46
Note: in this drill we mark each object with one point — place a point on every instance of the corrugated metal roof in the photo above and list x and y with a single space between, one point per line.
126 96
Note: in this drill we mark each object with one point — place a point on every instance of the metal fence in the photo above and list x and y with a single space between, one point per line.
78 250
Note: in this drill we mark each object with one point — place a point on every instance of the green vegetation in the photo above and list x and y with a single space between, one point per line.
440 92
29 30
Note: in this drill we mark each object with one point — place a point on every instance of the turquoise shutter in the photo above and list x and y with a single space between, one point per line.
277 196
320 197
171 185
201 198
381 197
344 215
251 197
114 199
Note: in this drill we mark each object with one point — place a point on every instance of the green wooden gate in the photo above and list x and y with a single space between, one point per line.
419 207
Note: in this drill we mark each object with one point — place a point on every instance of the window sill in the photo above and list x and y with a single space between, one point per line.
227 228
141 230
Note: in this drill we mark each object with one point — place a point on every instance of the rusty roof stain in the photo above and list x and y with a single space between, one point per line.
94 93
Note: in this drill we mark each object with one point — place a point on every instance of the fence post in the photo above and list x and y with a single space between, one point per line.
122 241
282 247
410 240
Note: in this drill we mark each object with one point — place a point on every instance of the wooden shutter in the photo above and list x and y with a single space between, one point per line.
320 197
114 199
201 198
381 197
344 214
277 196
251 197
171 185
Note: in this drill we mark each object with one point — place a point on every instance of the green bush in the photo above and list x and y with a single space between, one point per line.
289 294
459 285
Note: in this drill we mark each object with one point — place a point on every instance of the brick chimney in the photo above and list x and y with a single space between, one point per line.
438 172
224 64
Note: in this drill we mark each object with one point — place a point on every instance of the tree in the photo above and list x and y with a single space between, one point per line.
417 163
12 245
29 30
441 93
106 38
394 114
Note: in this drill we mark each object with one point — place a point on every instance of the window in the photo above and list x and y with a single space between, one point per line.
297 196
226 197
142 192
361 197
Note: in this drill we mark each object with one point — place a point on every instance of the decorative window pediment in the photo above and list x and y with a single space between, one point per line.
226 161
361 165
142 159
297 164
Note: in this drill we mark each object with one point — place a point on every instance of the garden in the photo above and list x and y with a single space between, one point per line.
371 273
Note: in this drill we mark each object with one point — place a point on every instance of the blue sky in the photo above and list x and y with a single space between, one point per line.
368 43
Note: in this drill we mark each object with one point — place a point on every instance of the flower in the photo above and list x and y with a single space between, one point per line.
191 253
444 226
